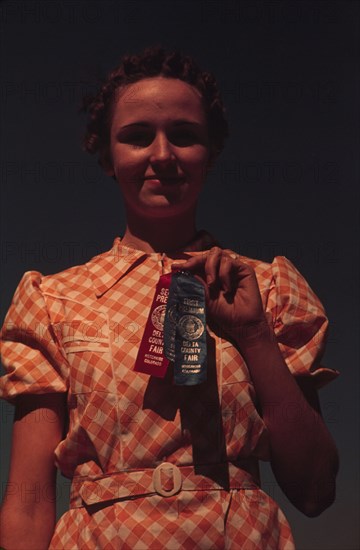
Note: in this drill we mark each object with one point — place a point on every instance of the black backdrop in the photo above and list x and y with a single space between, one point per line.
285 185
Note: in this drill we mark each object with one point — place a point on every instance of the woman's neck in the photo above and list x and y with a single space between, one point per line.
159 235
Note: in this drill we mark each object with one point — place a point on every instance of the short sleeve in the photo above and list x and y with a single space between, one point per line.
30 354
299 321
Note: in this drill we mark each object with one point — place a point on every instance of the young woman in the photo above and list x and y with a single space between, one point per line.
155 464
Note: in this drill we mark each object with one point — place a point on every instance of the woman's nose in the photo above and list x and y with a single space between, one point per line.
161 151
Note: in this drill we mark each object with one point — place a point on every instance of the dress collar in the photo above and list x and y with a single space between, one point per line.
107 268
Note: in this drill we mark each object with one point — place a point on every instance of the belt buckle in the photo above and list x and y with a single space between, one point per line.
176 476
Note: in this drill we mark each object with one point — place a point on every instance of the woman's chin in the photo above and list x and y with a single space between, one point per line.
162 207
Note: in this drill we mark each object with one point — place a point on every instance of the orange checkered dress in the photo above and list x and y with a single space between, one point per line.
79 331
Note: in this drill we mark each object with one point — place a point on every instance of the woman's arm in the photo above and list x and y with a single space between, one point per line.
29 508
303 455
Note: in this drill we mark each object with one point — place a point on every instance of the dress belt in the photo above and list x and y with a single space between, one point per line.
166 479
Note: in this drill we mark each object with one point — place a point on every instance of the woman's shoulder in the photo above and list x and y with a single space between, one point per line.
278 265
70 278
279 268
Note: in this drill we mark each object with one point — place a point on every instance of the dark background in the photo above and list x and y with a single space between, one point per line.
286 184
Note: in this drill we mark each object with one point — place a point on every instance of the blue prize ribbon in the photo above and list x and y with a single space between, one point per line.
185 329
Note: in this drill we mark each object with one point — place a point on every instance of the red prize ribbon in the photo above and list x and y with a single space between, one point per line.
150 358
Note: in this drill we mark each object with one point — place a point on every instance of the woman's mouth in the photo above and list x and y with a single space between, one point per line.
163 180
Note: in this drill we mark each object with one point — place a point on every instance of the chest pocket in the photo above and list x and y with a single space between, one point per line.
87 347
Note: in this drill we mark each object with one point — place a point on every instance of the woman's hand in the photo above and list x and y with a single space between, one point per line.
231 288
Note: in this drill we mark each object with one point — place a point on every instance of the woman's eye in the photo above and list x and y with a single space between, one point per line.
184 138
138 139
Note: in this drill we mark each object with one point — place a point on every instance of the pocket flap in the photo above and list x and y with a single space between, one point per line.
82 335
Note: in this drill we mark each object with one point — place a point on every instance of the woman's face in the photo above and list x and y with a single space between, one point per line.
159 148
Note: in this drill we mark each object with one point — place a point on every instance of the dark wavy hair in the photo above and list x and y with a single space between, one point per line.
153 61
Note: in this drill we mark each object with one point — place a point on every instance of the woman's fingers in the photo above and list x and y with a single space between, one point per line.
212 266
218 267
205 264
228 274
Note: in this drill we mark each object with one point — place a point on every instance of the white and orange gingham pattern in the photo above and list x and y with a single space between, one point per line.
78 332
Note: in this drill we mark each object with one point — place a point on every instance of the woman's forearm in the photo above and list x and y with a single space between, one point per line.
303 455
24 528
27 517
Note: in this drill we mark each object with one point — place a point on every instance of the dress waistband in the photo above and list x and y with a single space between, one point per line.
166 479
